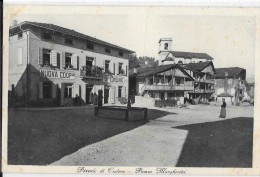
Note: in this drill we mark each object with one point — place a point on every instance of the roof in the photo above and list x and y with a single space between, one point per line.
72 33
148 71
191 55
198 66
168 59
224 95
232 72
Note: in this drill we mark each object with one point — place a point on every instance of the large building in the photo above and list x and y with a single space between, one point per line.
167 56
49 65
230 81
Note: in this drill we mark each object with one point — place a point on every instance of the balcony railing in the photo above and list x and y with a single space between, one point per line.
204 90
209 81
168 87
92 72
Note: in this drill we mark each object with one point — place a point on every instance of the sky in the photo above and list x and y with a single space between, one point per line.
230 40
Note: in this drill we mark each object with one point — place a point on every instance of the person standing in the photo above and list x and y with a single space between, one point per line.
223 109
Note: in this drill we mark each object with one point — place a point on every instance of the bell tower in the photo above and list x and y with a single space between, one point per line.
165 45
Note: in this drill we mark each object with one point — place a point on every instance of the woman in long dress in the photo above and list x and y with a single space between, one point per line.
223 109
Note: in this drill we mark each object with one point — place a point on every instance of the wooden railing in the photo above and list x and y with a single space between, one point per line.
168 87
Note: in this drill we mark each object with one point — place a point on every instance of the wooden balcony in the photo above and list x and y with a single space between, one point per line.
168 87
204 91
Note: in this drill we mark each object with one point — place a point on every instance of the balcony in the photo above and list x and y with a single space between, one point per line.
91 72
209 81
204 90
167 87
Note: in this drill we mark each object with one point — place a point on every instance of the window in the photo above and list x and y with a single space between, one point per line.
107 50
107 66
90 45
20 56
120 53
68 91
68 62
166 46
46 36
89 61
120 68
46 90
20 35
46 57
180 62
68 41
119 91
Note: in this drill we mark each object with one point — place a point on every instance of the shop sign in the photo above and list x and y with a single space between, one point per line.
115 79
57 74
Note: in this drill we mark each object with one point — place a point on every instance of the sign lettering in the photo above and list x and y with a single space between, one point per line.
57 74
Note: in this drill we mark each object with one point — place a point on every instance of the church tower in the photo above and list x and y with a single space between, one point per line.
165 45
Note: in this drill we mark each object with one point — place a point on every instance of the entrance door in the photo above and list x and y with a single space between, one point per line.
106 95
88 95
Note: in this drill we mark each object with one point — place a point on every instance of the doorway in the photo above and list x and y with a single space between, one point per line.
106 95
89 97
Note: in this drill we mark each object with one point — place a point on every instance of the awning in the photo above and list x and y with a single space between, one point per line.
95 82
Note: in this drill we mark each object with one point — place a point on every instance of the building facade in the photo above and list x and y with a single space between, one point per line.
231 81
50 65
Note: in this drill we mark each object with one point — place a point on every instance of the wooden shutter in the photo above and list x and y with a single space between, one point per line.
77 62
123 92
54 90
117 68
58 60
63 59
75 90
104 65
112 94
40 90
54 58
111 66
74 61
40 59
114 68
126 70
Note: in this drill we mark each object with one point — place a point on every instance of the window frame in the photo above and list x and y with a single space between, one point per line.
69 88
119 94
107 69
66 67
43 51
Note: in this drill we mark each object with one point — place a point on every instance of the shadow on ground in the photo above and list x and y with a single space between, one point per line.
226 143
43 137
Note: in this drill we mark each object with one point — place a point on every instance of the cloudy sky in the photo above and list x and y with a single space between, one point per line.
230 40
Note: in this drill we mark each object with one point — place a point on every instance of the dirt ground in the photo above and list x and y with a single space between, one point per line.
186 137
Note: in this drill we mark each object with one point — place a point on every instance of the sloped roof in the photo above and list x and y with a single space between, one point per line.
191 55
148 71
198 66
232 72
224 95
168 59
72 33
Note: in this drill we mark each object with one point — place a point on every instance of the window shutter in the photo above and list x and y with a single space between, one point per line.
40 61
112 94
126 70
58 60
40 90
74 61
117 68
104 65
111 66
114 68
54 91
63 59
75 90
54 58
123 92
77 62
